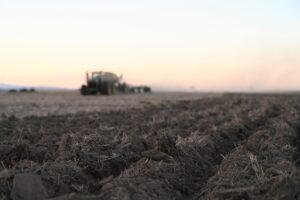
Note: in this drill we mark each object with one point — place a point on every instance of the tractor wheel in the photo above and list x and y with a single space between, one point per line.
93 93
105 89
84 90
108 88
112 89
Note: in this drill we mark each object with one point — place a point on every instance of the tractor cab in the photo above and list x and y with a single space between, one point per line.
96 76
94 82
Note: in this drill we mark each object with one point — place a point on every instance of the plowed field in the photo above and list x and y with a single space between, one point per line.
230 147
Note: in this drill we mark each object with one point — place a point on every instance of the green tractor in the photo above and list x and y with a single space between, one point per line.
100 82
107 83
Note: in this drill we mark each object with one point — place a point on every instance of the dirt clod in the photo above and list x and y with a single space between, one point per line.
28 187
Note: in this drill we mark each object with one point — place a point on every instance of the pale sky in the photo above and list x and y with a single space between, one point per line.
205 44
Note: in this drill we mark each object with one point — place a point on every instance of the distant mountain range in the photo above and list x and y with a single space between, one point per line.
7 87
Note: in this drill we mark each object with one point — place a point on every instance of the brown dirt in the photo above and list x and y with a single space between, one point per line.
234 147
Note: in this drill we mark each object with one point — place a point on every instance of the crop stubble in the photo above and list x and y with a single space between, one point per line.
233 147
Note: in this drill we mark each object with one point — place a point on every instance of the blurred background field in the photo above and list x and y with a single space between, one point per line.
67 102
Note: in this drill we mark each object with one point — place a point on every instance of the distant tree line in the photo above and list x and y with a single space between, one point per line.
22 90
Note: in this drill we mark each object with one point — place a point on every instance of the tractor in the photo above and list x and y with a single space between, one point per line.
100 82
107 83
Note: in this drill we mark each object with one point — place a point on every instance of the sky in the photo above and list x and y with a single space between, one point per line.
205 45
